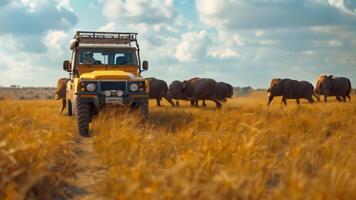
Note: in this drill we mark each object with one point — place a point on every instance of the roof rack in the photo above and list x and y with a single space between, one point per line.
90 37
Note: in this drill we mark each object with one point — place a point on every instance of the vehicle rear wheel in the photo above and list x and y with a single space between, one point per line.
83 118
69 107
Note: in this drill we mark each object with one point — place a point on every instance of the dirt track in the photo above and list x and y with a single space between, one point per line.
89 172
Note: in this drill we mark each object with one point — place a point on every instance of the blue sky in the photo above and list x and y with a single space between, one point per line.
244 42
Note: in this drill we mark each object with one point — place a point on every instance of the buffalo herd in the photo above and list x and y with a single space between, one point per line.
192 90
207 89
327 85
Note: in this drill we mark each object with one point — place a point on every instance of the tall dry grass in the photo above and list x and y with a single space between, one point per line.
35 149
244 151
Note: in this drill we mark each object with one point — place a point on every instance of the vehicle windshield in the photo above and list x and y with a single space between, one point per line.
107 57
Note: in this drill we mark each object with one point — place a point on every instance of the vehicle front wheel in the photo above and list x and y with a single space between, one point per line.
69 107
83 118
144 111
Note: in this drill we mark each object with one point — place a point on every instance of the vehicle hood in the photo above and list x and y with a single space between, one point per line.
108 75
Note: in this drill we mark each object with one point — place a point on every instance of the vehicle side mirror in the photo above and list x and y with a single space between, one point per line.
66 65
145 65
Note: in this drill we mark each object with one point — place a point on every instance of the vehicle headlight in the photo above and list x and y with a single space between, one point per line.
134 87
120 93
91 87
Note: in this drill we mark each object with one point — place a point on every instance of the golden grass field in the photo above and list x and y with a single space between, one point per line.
246 150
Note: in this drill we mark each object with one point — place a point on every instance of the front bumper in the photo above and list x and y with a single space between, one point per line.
114 92
101 100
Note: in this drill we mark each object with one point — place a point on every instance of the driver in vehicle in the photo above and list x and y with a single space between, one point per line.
88 58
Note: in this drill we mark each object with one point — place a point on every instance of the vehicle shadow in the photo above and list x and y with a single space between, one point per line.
170 121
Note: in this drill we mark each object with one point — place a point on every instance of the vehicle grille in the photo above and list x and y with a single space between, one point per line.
113 85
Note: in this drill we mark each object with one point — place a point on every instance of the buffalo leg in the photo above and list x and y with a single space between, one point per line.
204 105
284 100
269 100
349 97
169 100
177 103
158 100
316 96
192 103
344 98
338 99
218 104
64 104
196 103
310 99
325 98
297 99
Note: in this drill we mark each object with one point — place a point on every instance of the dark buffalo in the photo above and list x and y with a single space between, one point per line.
339 87
202 89
61 92
224 91
192 82
290 89
157 90
175 91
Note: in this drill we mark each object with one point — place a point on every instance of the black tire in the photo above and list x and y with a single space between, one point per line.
69 107
144 111
83 118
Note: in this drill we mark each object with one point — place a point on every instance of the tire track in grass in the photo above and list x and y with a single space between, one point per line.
89 172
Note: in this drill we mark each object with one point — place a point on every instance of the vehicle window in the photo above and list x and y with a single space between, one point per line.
124 59
112 57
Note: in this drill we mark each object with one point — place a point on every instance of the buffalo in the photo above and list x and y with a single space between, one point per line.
175 91
61 92
201 89
196 89
224 91
339 87
290 89
157 90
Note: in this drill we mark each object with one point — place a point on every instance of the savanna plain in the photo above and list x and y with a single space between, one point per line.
246 150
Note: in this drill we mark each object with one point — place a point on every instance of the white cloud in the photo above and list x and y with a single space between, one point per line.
9 43
32 5
308 53
57 45
109 27
63 3
222 53
21 69
210 11
144 11
193 46
35 17
335 43
35 5
259 33
268 42
56 39
270 14
340 4
229 38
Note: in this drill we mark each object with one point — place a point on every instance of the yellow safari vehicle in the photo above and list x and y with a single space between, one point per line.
105 70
